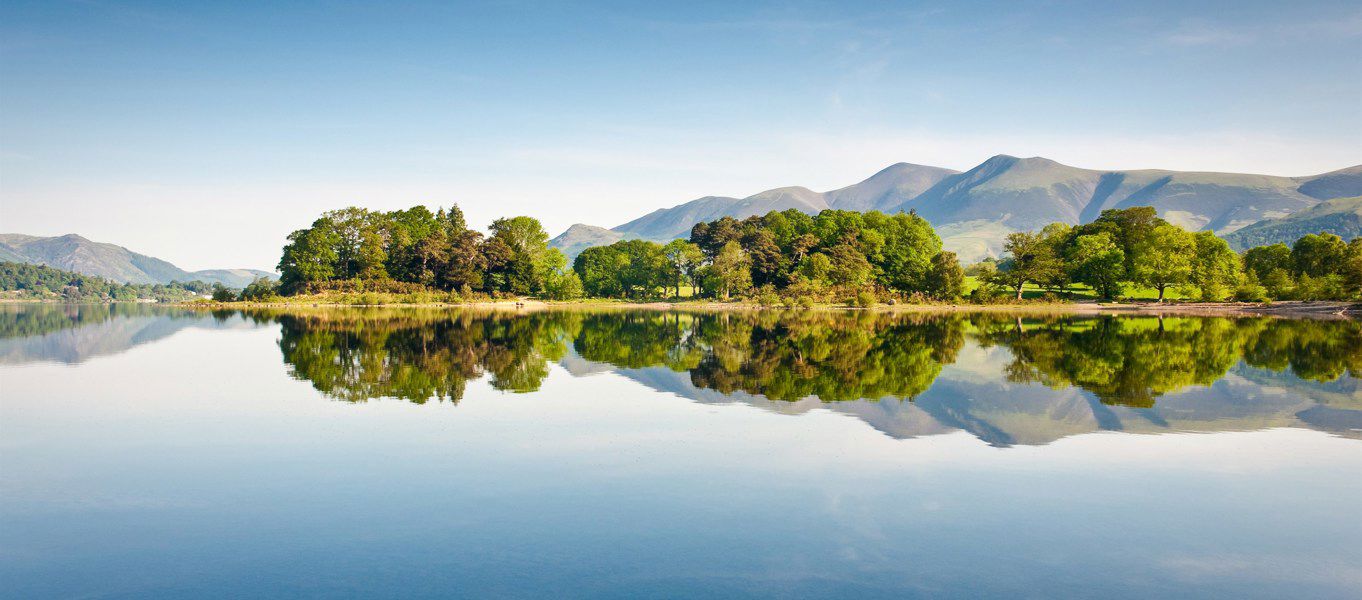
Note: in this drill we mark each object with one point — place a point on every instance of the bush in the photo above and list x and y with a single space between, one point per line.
260 290
767 297
222 294
864 299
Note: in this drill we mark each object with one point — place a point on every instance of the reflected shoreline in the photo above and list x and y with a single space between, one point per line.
1007 378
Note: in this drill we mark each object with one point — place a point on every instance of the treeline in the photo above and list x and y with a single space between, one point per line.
782 256
355 249
1133 247
797 259
40 282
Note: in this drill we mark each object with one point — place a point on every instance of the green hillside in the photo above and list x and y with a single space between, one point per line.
1340 216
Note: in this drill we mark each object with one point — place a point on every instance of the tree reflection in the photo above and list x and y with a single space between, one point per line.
357 355
832 356
1131 361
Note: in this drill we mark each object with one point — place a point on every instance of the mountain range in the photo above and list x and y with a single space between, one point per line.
72 252
974 210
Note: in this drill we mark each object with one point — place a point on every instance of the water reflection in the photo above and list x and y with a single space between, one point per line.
1007 379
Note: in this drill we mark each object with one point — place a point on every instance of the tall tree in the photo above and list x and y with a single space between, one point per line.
731 271
1164 258
686 259
1098 260
946 279
1215 268
1030 260
1318 255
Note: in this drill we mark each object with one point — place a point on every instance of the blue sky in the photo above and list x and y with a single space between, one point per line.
204 132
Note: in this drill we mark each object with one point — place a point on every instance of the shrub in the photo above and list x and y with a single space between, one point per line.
222 294
864 299
767 297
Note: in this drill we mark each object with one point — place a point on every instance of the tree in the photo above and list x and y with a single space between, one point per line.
1263 260
946 279
644 270
731 271
1164 258
222 294
769 266
1098 261
522 271
686 259
848 267
1352 268
311 256
1318 255
1030 260
261 289
598 268
907 252
1215 267
1130 227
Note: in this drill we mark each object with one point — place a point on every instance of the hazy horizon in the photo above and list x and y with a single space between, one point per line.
203 135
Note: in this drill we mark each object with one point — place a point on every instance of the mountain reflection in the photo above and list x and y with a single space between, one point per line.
1004 378
1023 379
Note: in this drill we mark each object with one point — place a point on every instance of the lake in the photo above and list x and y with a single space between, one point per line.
153 452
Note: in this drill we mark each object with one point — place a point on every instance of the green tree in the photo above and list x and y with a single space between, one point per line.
1352 268
1318 255
1165 258
1098 261
1263 260
945 280
1030 260
311 256
523 271
731 271
1215 267
848 267
686 259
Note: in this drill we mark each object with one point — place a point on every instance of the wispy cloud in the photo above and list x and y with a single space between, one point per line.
1203 33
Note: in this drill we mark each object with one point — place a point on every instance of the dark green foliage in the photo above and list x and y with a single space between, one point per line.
836 249
359 248
945 280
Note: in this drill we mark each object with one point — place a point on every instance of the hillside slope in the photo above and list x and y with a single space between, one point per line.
72 252
1339 216
976 209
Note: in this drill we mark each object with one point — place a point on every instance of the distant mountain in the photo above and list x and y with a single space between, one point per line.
1340 216
882 191
72 252
1336 184
579 237
974 210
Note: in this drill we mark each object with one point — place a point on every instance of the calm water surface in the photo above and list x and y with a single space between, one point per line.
150 452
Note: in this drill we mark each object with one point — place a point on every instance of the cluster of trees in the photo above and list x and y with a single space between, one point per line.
793 257
424 250
836 253
1317 267
1134 247
41 282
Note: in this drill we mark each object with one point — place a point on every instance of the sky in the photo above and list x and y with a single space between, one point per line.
203 133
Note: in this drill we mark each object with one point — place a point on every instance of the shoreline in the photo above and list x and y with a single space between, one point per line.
1290 308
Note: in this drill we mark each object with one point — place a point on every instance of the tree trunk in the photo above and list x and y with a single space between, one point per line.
1161 297
1019 290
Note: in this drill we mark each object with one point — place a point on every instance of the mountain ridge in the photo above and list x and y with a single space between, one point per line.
73 252
975 209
